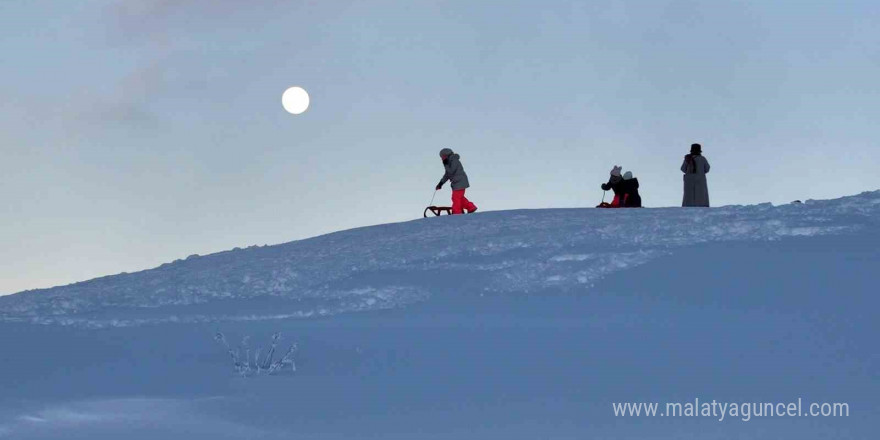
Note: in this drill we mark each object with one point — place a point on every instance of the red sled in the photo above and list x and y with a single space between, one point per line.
437 210
614 203
606 205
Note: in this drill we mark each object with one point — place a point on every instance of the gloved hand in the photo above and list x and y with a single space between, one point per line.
439 186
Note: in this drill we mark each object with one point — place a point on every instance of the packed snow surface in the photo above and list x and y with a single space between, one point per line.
397 264
514 325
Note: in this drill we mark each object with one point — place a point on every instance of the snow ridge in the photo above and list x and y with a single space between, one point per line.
372 268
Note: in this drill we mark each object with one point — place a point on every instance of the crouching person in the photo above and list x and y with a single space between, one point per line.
613 184
630 188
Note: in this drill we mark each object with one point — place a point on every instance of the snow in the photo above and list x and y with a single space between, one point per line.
513 324
501 251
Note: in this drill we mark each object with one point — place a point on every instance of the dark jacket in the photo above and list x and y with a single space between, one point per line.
614 184
631 197
454 173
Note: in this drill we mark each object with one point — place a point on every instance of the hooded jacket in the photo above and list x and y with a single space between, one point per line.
454 172
614 183
630 189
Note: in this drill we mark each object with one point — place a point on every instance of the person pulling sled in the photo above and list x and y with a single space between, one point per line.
459 179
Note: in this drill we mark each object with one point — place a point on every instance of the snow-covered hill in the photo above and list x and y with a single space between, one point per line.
397 264
498 325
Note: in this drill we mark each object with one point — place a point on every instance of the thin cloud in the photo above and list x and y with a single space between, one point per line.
156 19
166 38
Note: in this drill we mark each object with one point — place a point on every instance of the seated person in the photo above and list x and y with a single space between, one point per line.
630 188
614 184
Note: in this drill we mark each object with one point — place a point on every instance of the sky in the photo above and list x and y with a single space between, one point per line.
138 132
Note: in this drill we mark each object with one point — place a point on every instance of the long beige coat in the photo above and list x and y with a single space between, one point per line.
696 189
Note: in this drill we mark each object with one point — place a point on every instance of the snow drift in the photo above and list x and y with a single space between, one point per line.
500 325
392 265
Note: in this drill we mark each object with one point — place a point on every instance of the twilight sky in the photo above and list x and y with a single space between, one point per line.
138 132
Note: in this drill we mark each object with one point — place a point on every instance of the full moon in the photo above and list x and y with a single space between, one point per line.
295 100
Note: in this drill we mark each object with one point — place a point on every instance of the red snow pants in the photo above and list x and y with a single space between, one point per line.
460 202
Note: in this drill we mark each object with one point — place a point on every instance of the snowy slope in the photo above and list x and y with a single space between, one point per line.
390 265
507 325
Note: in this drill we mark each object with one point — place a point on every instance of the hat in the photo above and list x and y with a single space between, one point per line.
696 149
615 171
627 175
445 152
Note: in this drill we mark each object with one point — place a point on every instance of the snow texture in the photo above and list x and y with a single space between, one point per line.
499 325
398 264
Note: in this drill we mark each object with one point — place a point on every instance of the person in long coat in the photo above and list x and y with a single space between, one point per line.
695 167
